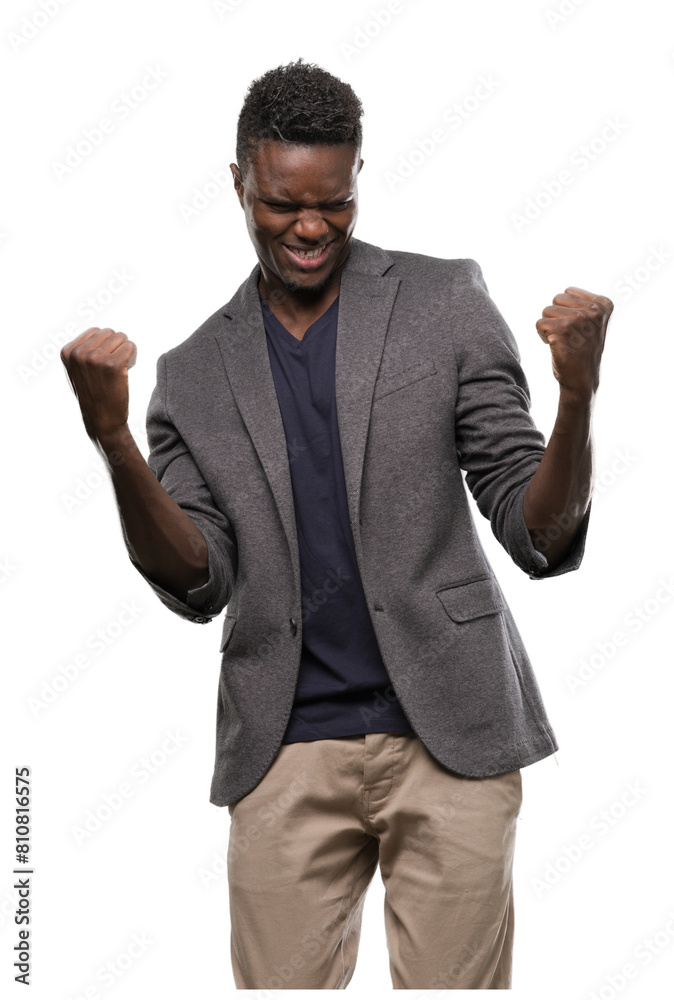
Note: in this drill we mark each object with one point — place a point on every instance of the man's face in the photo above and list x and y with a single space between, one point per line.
300 204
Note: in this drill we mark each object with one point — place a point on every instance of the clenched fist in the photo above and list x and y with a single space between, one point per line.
575 328
97 363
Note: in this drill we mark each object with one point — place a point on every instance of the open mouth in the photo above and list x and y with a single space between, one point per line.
310 258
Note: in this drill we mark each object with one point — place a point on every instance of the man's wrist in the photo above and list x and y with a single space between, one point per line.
574 413
115 444
575 398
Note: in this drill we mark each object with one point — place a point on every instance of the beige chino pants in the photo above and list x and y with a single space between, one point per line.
306 841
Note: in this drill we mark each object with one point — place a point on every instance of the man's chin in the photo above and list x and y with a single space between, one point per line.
310 289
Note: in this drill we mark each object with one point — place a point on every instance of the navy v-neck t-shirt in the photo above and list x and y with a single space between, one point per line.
343 687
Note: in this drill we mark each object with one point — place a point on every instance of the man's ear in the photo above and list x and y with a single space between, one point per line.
360 165
238 181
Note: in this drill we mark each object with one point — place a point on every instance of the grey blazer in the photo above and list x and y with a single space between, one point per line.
428 383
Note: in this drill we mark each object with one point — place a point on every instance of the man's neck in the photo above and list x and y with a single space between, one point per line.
298 310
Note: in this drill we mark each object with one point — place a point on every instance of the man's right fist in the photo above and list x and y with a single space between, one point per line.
97 363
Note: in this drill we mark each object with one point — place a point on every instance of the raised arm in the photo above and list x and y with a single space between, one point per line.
559 493
161 538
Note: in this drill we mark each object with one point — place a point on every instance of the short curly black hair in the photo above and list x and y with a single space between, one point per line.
298 102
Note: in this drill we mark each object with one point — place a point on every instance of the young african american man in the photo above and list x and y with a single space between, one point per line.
307 450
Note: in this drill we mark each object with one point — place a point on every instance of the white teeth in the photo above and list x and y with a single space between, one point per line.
309 254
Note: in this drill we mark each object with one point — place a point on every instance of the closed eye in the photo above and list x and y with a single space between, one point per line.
279 206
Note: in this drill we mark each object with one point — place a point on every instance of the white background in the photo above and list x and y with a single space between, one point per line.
65 572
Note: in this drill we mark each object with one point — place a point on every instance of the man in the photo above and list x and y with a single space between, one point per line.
376 703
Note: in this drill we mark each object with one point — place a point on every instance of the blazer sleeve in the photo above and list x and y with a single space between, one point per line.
498 444
173 465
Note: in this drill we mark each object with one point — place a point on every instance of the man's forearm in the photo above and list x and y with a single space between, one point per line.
159 535
559 492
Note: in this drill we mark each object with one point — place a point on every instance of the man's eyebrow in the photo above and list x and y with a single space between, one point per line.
333 201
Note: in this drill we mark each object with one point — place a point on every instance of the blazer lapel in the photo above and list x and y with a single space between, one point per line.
365 304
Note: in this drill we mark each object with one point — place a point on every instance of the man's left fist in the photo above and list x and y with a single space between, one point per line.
575 328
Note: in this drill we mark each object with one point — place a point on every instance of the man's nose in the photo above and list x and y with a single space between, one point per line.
311 226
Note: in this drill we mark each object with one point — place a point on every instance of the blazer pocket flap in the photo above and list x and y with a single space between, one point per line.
227 629
472 600
390 381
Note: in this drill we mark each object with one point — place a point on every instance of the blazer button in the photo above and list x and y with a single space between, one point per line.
293 626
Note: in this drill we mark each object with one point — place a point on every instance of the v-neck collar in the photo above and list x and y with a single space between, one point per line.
284 332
